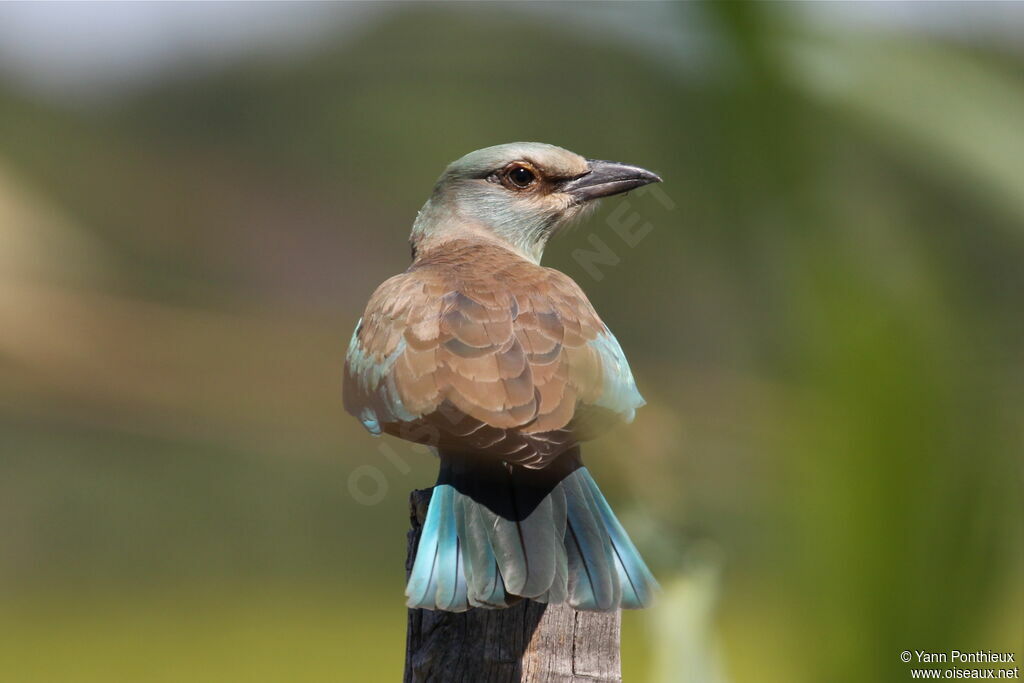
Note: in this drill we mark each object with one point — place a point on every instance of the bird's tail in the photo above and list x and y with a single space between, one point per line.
495 534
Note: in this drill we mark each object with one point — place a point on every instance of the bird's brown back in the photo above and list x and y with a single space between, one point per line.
477 349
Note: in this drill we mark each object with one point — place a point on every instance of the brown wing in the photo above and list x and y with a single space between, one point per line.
477 350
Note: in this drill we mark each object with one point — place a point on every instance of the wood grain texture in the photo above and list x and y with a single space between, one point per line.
527 642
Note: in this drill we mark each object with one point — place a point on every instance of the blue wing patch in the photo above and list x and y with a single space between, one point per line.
619 393
373 378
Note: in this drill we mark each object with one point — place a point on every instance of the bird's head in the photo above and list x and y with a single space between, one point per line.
520 192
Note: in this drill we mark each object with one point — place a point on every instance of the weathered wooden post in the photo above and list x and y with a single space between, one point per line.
528 642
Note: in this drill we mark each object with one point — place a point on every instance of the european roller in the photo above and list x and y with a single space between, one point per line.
504 368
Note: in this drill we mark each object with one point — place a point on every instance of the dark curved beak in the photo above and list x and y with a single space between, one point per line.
606 178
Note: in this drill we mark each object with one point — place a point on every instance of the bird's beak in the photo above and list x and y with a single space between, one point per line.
606 178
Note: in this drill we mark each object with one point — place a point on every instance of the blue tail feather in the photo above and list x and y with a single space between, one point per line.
479 547
592 584
485 587
448 570
417 587
438 580
637 582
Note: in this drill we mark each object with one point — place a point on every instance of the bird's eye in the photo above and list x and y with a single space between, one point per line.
521 177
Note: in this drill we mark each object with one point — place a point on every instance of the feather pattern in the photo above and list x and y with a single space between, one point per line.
476 348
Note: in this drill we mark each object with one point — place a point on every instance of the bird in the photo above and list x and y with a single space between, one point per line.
503 367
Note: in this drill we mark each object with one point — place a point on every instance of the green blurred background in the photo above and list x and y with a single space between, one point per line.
824 314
